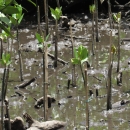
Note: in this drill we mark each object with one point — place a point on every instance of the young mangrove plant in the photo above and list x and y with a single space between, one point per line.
80 56
92 10
71 23
16 20
43 45
117 19
4 61
56 15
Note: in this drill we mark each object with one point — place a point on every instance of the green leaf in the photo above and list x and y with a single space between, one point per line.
75 61
9 9
2 62
8 2
84 53
53 14
9 62
3 58
20 19
4 19
40 45
47 37
48 45
7 57
6 30
39 38
32 2
13 20
84 60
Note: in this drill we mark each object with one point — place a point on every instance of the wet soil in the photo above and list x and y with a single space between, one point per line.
70 103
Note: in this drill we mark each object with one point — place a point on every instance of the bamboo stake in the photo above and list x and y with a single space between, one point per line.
118 62
1 48
73 66
109 12
109 105
87 97
45 81
46 15
56 40
20 57
58 3
93 36
2 99
45 65
97 33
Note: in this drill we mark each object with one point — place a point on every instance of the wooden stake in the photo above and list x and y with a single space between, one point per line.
87 97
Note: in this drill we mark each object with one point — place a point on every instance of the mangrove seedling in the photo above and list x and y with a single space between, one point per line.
16 20
80 56
43 45
4 61
56 15
92 10
117 19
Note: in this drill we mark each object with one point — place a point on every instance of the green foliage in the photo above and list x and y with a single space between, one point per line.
6 59
56 13
92 8
80 55
113 49
117 17
32 2
41 39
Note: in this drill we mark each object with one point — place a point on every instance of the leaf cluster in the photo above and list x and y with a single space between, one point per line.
117 17
6 59
92 8
41 39
80 55
56 13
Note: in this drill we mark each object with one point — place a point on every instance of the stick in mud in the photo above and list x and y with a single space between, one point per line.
25 84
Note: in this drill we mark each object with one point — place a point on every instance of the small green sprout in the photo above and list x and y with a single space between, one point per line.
81 55
6 59
92 8
41 40
117 17
56 13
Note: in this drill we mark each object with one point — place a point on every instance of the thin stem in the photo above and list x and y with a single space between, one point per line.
2 99
82 73
93 36
87 97
20 57
73 67
56 40
96 3
118 62
1 48
45 83
109 12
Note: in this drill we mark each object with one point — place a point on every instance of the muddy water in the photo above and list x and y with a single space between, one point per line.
72 110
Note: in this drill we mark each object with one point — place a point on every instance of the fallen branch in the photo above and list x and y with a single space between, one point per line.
25 84
53 57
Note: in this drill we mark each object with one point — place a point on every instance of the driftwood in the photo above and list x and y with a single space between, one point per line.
16 124
59 59
53 57
125 39
25 84
39 102
48 125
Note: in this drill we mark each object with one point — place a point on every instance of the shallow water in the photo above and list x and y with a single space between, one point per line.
72 110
